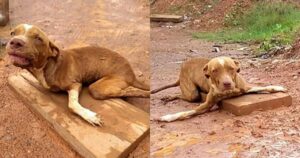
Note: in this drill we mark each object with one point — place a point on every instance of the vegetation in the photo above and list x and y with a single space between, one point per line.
271 24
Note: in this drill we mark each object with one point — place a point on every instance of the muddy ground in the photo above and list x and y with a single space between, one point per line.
219 134
117 25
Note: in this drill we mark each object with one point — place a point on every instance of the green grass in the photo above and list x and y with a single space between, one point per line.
268 23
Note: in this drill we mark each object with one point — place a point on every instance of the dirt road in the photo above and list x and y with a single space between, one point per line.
220 134
118 25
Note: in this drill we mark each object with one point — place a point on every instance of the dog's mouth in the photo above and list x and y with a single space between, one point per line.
19 59
227 87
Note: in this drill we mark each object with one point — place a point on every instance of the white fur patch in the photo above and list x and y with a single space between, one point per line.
173 117
221 61
27 27
277 88
86 114
267 89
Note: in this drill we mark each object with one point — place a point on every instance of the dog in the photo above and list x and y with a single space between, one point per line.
108 74
210 81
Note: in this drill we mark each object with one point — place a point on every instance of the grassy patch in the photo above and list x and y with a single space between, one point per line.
267 23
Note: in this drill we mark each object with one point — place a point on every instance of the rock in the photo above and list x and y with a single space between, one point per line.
216 49
212 133
193 51
243 48
275 61
295 77
6 138
290 62
256 134
238 123
267 68
251 80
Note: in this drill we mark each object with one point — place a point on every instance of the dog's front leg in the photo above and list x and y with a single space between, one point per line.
202 108
270 89
75 106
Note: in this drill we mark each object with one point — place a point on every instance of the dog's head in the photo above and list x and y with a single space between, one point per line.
222 72
30 47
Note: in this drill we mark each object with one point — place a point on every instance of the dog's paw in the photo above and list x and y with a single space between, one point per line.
168 118
93 118
95 121
277 88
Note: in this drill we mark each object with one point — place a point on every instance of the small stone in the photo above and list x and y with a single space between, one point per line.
216 49
6 138
212 133
251 80
275 61
295 77
256 134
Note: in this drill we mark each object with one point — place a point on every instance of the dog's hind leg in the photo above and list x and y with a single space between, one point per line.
75 106
112 87
189 90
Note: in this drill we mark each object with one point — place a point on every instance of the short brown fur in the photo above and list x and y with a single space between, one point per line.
202 79
108 74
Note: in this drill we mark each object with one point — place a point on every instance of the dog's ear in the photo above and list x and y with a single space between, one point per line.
54 49
205 70
237 66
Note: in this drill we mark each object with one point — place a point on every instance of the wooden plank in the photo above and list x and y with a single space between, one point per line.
4 12
125 125
166 18
246 104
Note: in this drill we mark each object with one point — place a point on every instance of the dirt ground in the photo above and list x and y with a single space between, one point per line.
219 134
203 15
117 25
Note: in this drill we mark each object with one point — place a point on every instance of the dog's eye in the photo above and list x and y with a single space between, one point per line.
231 68
38 38
12 33
215 70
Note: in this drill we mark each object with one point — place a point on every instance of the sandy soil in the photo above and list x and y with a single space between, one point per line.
219 134
118 25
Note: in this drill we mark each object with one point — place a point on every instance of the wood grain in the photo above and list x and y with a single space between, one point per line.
125 125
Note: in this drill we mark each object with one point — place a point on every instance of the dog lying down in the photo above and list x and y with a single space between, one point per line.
108 74
210 81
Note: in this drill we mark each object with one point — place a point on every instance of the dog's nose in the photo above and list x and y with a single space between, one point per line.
16 43
227 84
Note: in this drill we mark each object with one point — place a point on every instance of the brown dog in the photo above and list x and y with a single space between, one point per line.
216 79
109 74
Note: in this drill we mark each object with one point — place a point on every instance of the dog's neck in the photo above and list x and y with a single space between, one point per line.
40 73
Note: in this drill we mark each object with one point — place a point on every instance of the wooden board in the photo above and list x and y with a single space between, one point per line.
4 12
246 104
166 18
125 125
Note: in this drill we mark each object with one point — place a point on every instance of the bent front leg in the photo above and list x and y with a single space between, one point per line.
75 106
202 108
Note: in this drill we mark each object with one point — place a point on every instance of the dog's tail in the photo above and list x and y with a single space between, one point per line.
140 85
166 87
